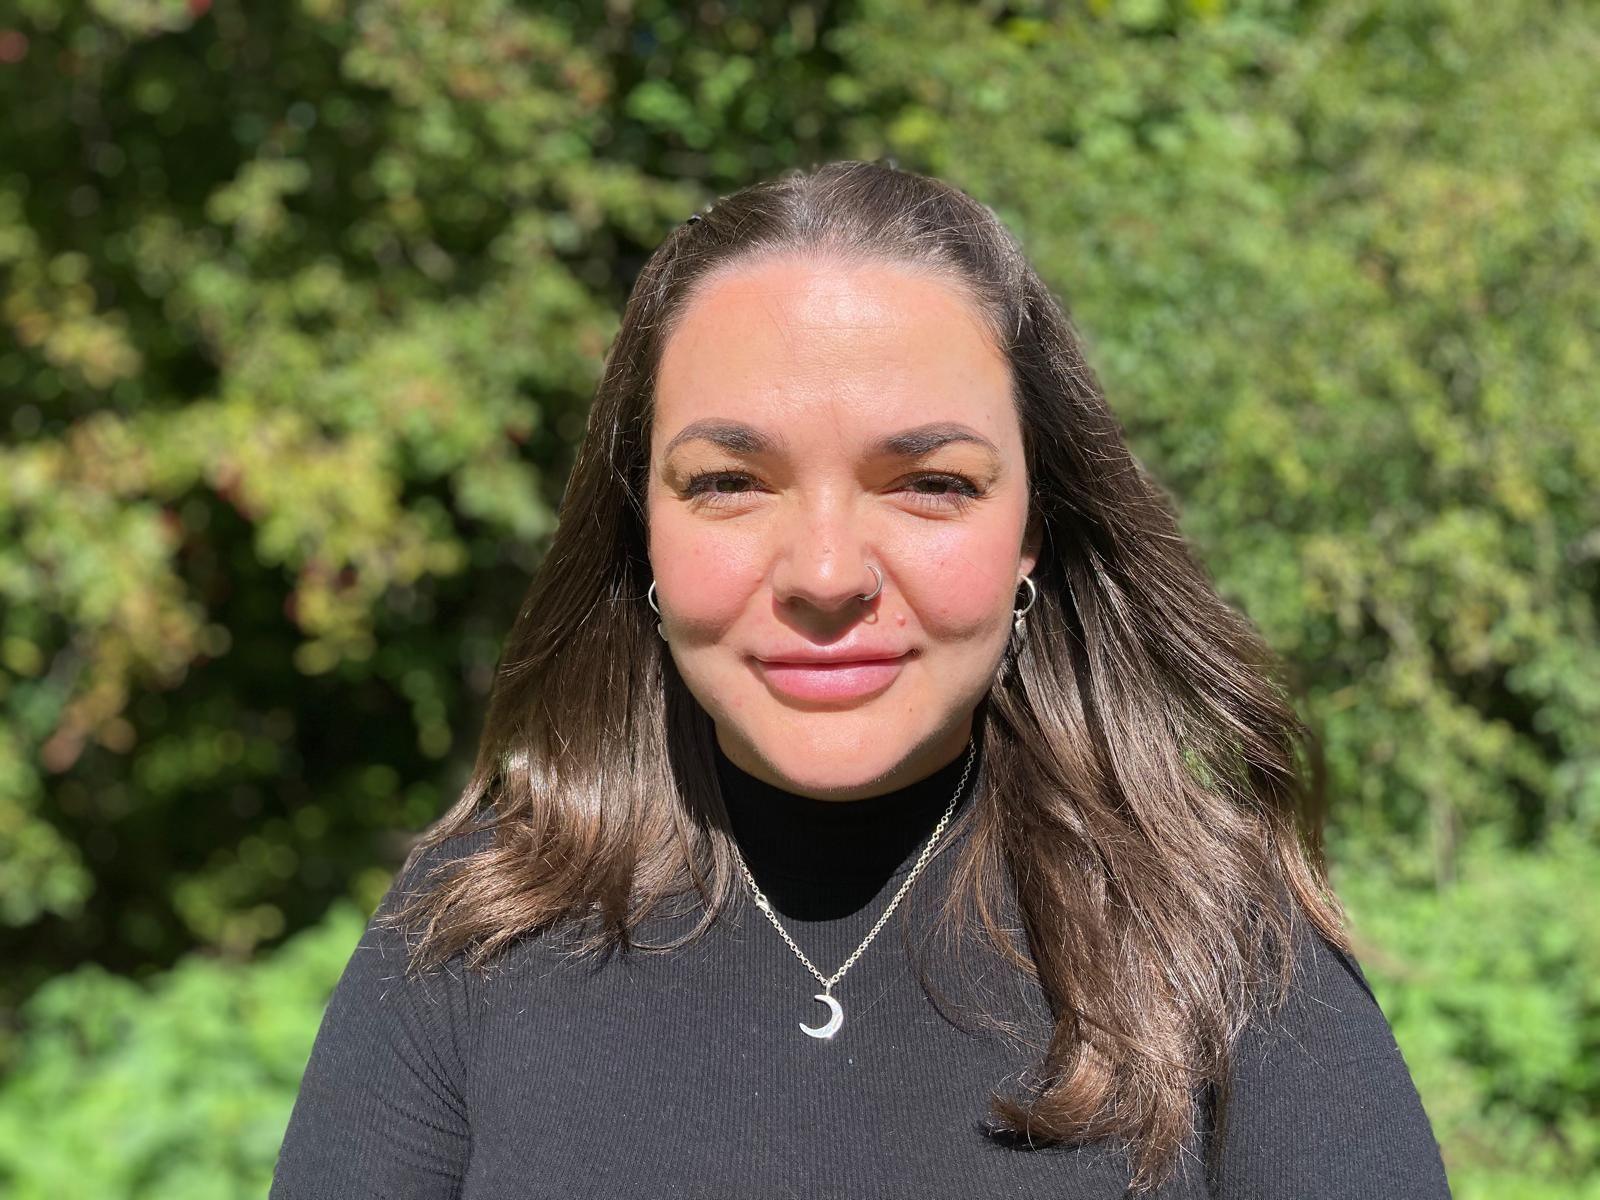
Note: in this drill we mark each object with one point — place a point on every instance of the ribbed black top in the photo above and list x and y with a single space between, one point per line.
686 1074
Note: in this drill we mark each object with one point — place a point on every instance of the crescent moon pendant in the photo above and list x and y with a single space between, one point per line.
832 1026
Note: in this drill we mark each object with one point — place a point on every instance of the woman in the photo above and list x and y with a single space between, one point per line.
860 611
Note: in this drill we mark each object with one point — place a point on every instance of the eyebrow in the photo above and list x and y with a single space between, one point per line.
738 438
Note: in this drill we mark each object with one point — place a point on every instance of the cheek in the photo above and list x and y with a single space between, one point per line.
963 588
705 575
959 596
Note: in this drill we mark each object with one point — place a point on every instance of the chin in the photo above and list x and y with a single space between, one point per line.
835 750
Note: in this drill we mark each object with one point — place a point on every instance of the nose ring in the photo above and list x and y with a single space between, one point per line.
876 590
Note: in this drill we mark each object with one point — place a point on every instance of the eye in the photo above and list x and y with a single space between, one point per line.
953 491
934 490
713 488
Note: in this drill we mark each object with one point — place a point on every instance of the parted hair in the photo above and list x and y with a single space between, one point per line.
1148 803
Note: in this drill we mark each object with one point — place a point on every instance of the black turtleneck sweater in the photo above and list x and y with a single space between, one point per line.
686 1074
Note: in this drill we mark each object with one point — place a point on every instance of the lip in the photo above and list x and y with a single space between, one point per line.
832 679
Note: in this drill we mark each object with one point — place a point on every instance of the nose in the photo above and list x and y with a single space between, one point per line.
822 561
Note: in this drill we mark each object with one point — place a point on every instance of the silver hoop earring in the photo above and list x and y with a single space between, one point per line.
1018 613
650 597
874 593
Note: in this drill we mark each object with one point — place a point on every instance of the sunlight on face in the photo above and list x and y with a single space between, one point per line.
812 418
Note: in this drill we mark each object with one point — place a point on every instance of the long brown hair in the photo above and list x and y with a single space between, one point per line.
1145 793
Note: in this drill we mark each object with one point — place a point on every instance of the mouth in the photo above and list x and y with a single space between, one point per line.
846 679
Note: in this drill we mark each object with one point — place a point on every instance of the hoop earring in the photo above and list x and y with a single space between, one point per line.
873 595
1018 613
650 597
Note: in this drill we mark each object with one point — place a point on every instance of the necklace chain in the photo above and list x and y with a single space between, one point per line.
765 906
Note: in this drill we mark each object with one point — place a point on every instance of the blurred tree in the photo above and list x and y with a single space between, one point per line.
1339 283
302 315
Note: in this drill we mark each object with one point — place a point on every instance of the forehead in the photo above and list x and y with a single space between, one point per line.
796 343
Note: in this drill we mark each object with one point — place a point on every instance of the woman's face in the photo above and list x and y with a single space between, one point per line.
810 419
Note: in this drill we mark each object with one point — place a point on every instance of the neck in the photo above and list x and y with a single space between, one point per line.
809 854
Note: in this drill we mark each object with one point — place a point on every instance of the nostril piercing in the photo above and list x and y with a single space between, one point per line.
873 595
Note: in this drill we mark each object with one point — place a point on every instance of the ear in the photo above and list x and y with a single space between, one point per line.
1032 543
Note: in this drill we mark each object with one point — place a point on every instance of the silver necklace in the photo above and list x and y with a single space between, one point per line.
836 1013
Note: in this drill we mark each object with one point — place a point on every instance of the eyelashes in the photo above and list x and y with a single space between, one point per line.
704 490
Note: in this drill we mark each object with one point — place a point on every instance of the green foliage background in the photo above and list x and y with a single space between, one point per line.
301 306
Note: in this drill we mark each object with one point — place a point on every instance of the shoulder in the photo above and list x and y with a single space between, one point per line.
383 1104
383 975
1319 1096
1331 1009
383 969
429 863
